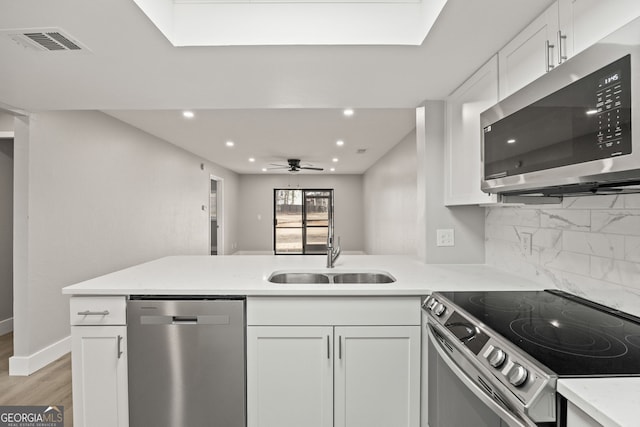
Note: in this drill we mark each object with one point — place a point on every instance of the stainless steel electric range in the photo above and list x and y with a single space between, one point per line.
495 357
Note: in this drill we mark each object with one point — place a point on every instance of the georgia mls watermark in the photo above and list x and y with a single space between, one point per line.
31 416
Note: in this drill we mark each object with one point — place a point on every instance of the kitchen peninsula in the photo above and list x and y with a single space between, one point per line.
386 317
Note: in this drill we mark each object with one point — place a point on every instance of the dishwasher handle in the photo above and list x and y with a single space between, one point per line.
207 319
184 320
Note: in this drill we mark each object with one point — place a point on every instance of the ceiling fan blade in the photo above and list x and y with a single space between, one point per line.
278 167
311 168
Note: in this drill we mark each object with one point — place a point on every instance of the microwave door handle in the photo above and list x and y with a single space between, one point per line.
506 416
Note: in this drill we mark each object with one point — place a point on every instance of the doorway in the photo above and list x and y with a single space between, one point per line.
216 238
6 233
301 221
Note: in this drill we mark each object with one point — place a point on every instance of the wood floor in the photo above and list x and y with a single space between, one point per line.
49 386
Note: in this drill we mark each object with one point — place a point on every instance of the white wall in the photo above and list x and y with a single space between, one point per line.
255 207
390 201
588 245
466 221
94 195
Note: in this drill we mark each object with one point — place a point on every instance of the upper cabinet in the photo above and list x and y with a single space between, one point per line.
564 29
462 136
587 21
530 54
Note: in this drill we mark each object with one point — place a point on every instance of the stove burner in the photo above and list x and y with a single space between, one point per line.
506 303
569 338
587 318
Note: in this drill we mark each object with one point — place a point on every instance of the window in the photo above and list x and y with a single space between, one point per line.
301 221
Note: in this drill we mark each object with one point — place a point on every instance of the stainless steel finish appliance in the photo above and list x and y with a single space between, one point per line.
495 357
575 130
186 362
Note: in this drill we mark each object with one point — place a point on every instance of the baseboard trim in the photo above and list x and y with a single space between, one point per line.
27 365
6 326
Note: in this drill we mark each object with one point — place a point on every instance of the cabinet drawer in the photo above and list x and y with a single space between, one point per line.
98 310
309 311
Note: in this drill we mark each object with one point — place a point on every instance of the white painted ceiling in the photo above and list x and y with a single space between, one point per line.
293 95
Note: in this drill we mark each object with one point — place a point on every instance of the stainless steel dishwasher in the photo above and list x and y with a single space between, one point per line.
186 362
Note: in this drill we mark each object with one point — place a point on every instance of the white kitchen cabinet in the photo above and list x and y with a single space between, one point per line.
576 417
326 361
462 157
289 376
99 362
530 54
377 376
587 21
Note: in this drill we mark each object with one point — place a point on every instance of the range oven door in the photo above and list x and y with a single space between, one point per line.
454 399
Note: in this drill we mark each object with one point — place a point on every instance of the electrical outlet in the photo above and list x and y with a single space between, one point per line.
445 237
525 243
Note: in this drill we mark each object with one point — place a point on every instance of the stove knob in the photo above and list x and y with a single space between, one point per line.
496 357
518 375
432 303
439 309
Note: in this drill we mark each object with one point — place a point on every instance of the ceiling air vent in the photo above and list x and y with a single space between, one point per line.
48 39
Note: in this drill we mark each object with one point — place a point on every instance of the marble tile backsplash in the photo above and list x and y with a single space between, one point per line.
589 246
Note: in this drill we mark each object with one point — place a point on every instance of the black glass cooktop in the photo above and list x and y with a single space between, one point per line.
571 336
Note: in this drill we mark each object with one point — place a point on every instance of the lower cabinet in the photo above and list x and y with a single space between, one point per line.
99 360
290 376
377 376
332 375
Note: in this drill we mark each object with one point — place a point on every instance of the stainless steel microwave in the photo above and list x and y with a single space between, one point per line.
575 130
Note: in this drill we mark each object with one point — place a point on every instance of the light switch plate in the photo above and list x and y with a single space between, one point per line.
445 237
525 243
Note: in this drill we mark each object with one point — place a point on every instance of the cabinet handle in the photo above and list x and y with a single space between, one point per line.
328 348
93 313
548 46
119 346
561 38
340 347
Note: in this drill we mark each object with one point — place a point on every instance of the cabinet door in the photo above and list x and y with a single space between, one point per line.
99 364
377 376
290 376
530 54
576 417
587 21
462 157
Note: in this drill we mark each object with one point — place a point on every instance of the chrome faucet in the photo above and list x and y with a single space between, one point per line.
332 252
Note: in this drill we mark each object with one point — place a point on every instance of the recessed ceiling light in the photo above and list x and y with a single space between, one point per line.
229 143
332 169
264 169
348 112
339 143
334 160
251 159
511 141
188 114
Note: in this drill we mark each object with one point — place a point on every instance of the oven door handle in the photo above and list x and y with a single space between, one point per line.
509 418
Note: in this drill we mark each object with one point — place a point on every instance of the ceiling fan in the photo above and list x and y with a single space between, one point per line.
294 166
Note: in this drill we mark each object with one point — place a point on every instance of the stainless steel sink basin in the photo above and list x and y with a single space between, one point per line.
302 278
297 277
363 278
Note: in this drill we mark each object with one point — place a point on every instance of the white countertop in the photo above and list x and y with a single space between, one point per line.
612 402
609 401
248 274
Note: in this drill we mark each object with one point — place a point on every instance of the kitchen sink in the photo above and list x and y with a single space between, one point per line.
364 277
303 278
